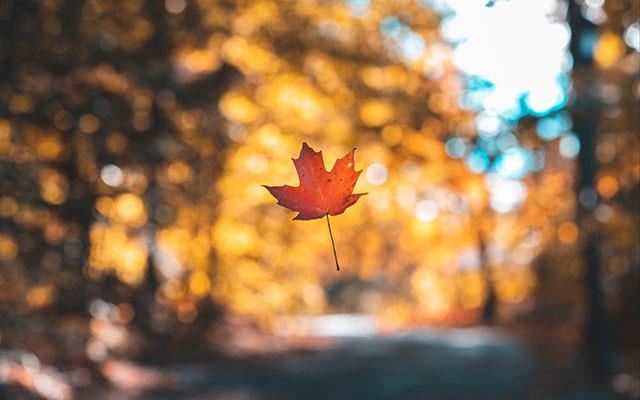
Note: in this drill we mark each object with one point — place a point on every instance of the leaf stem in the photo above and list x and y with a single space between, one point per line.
335 255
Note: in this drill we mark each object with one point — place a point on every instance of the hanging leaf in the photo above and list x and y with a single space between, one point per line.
320 193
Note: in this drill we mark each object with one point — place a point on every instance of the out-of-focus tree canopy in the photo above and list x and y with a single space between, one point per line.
135 137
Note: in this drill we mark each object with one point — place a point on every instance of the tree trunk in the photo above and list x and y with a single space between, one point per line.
585 116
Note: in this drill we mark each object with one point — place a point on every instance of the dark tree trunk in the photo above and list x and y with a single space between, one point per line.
585 113
491 302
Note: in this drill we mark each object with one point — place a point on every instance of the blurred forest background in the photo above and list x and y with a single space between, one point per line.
135 135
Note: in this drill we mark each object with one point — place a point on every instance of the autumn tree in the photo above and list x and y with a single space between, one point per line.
378 78
107 110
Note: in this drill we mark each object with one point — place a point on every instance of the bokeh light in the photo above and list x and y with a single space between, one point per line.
497 142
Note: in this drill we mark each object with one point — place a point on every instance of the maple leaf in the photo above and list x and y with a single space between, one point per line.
321 193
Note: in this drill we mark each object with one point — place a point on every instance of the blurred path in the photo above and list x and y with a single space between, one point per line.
460 364
444 364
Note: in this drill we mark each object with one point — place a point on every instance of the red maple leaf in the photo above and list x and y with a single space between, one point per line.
320 193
